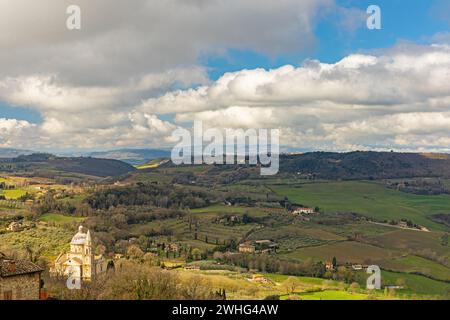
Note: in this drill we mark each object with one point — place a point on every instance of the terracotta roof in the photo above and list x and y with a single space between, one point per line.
9 267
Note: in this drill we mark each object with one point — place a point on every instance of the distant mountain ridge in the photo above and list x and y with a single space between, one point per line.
366 165
47 164
131 156
12 153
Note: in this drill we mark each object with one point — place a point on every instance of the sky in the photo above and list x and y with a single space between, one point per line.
138 70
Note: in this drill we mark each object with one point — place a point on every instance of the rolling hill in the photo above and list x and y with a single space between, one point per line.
131 156
366 165
45 164
12 153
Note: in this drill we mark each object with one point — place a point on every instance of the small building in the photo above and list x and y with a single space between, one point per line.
132 240
118 256
266 246
19 279
247 247
394 287
264 242
357 267
403 224
172 247
192 267
329 266
259 278
303 210
15 227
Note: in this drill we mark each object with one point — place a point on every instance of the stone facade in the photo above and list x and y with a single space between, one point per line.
247 247
19 279
20 287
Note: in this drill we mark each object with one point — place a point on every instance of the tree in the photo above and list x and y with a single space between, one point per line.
134 252
291 284
444 240
334 262
401 282
100 249
196 254
354 287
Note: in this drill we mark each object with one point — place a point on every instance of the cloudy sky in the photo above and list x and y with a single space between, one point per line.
139 69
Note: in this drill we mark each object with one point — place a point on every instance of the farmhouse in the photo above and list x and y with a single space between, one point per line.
258 246
192 267
80 262
247 247
15 227
403 224
172 247
357 267
118 256
19 279
265 246
303 210
329 266
259 278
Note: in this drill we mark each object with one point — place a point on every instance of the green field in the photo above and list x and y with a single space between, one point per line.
411 241
304 280
414 264
214 232
293 236
13 194
414 284
59 218
221 209
147 166
75 199
367 198
329 295
345 252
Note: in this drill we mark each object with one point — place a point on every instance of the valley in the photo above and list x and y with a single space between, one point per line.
292 236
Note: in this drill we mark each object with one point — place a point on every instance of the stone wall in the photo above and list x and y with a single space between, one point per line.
22 287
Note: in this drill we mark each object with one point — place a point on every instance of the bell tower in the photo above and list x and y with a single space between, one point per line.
88 256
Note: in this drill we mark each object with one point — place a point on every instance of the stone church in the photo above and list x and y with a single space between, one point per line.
80 262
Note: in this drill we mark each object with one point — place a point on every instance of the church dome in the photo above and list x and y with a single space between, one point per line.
80 237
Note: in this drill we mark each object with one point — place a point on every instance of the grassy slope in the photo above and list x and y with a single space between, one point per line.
59 218
415 284
329 295
13 194
368 198
411 241
346 251
52 241
414 264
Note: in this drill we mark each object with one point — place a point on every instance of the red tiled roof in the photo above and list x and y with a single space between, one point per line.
10 267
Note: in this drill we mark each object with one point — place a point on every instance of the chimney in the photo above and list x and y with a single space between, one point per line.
11 266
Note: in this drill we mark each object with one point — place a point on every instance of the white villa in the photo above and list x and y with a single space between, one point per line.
303 210
80 262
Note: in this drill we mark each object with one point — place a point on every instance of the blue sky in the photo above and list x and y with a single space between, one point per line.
414 21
